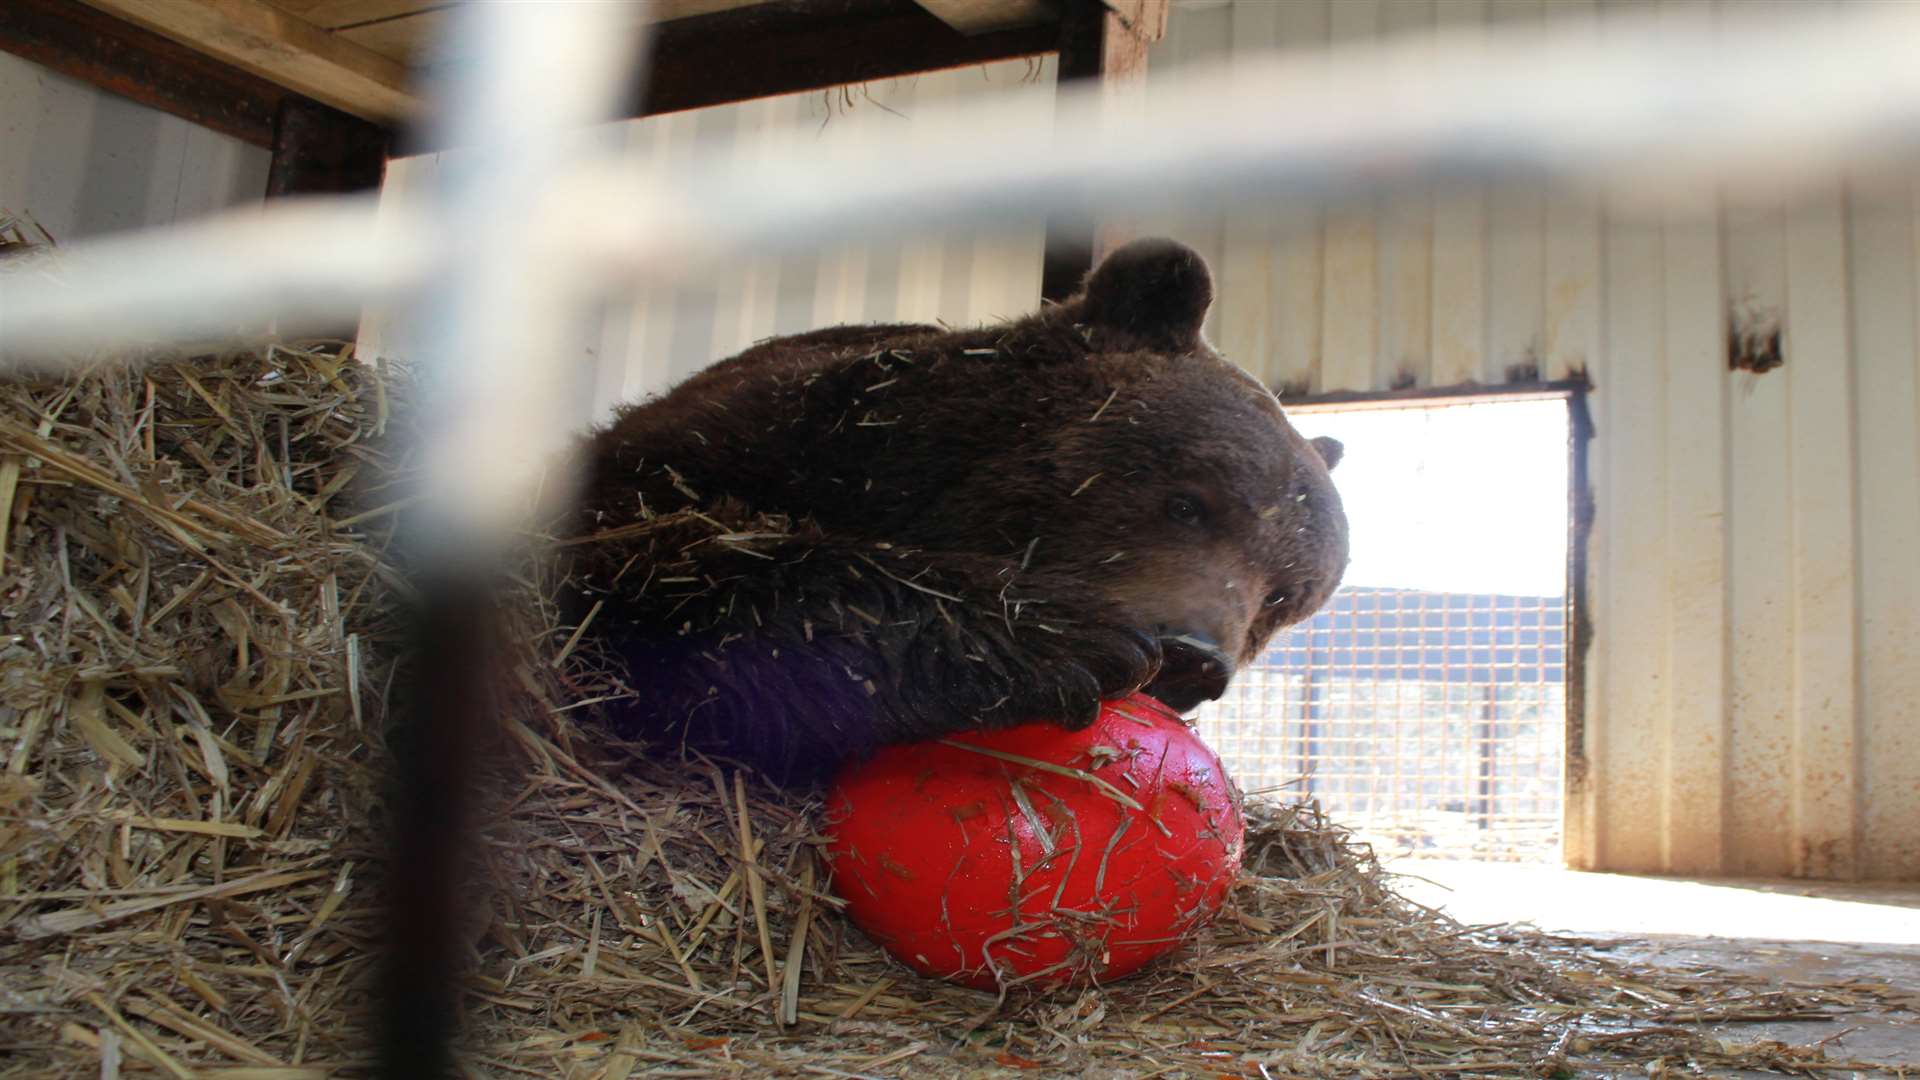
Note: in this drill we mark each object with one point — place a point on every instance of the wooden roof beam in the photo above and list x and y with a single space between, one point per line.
985 16
788 46
268 42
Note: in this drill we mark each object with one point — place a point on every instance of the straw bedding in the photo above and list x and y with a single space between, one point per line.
193 674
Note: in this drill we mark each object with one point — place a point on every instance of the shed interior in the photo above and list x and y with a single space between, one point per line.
1744 792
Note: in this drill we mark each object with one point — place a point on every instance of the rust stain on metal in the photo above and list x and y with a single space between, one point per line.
1580 510
1753 340
1527 370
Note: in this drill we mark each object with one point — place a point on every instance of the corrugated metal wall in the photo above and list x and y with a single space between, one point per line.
1754 685
81 161
671 331
956 278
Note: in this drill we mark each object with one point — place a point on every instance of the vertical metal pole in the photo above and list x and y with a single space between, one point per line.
1309 714
1484 736
484 336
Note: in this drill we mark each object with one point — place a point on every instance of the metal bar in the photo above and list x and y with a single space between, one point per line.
1484 739
1434 397
487 336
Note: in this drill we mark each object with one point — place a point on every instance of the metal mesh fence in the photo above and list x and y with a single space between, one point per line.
1431 722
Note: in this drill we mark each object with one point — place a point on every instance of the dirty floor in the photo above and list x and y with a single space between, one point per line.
1792 931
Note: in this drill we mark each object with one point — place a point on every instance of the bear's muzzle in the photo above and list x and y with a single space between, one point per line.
1195 670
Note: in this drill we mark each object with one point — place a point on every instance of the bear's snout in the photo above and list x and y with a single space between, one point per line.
1195 669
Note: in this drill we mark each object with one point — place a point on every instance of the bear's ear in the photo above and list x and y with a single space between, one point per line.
1157 290
1329 449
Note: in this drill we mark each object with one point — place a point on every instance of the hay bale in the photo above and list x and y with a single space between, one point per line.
193 684
191 695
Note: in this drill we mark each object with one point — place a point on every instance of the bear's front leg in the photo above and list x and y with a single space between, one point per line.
803 653
956 642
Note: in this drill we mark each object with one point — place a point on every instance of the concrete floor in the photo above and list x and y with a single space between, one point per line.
1564 900
1791 931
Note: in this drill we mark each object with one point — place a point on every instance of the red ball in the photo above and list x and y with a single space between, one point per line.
1037 855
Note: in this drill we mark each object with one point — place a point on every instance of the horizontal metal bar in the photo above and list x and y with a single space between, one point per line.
1428 397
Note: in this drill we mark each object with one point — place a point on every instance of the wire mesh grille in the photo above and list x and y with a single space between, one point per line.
1431 722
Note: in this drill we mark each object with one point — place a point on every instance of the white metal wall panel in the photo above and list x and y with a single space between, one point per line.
1823 817
666 332
1753 699
82 162
951 277
1760 560
1883 286
1695 448
1630 491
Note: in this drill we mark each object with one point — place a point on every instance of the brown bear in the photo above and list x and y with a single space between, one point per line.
875 534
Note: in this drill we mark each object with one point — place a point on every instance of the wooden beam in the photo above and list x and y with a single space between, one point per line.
319 150
982 16
414 32
274 45
340 14
787 46
1103 40
76 41
233 76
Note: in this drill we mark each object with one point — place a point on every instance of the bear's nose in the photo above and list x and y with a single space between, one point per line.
1194 669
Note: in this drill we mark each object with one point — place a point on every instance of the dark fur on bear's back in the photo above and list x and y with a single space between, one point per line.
903 531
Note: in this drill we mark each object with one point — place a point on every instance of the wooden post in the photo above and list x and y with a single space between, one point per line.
318 150
1104 40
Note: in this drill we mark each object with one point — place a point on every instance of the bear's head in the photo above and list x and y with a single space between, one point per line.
1171 478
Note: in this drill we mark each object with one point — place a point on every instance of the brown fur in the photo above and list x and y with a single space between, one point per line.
925 530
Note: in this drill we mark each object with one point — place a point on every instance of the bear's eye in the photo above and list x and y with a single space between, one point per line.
1276 598
1183 509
